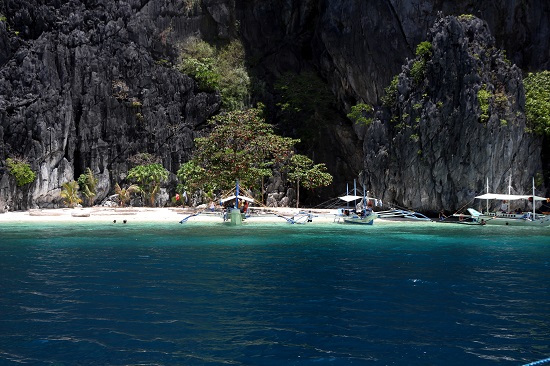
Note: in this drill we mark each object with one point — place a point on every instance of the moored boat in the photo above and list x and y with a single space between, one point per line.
364 216
507 217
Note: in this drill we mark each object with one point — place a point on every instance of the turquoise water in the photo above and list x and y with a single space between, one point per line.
273 294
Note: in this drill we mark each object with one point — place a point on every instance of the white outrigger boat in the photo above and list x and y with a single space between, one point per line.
513 218
350 215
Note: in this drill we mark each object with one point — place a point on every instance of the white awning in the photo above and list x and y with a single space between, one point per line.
349 198
508 197
244 198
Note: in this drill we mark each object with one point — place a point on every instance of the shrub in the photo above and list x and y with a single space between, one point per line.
21 171
483 97
390 93
418 70
424 50
359 114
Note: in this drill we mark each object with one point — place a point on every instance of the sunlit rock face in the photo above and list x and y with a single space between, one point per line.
435 148
90 83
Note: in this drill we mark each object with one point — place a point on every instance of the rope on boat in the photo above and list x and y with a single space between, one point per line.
540 362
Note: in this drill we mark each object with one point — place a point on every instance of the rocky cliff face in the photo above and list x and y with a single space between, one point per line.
88 83
455 118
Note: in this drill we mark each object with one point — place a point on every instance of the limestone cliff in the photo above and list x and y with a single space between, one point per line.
88 83
455 118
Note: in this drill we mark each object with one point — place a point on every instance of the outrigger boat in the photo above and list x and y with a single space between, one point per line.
350 216
530 218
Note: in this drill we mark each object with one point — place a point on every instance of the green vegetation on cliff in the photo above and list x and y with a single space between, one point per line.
21 171
537 101
361 114
221 69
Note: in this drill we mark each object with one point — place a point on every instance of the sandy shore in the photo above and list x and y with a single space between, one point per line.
148 214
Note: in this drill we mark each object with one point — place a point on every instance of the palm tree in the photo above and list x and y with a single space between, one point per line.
87 183
124 194
70 193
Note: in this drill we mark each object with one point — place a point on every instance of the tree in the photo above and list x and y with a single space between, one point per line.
69 193
303 171
359 113
241 146
124 194
21 171
87 183
149 177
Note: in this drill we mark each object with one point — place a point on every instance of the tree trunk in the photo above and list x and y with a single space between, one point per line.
297 193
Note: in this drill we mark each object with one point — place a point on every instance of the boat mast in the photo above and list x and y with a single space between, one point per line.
533 202
510 185
364 198
487 192
347 194
237 194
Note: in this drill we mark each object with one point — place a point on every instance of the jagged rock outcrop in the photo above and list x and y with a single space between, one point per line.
90 87
455 118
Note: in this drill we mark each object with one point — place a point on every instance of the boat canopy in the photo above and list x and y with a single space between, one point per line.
349 198
508 197
240 197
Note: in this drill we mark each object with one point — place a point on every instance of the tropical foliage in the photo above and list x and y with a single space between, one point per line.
537 101
360 114
21 171
149 177
484 97
125 194
424 53
69 193
87 183
220 69
241 146
303 171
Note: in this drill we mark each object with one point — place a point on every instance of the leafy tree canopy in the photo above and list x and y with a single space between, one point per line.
360 114
149 177
241 146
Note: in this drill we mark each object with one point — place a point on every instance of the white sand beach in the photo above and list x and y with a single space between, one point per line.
150 214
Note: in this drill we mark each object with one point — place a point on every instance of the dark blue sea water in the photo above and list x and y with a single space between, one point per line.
273 294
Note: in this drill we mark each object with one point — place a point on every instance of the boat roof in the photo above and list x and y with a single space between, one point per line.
349 198
508 197
240 197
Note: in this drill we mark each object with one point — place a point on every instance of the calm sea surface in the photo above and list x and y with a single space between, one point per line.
273 294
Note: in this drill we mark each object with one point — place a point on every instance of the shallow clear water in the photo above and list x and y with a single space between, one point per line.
273 294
